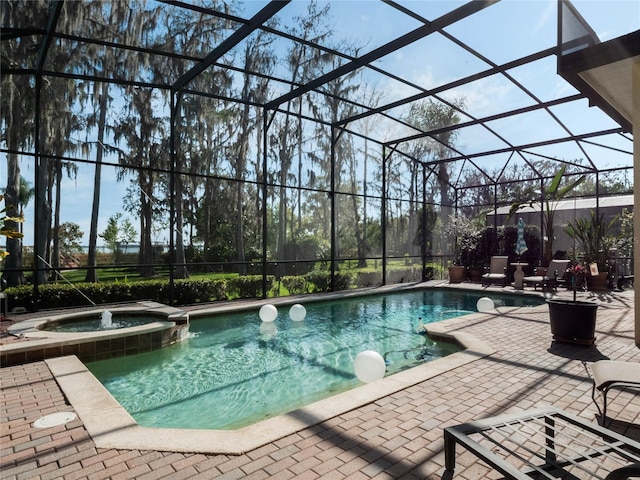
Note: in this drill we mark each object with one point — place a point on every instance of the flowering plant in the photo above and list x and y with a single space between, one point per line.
577 272
463 233
577 269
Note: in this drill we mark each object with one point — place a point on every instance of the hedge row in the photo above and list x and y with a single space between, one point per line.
196 291
320 281
184 292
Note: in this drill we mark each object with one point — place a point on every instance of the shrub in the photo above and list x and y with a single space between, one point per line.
198 291
368 279
56 295
404 274
295 284
434 270
343 281
319 280
249 286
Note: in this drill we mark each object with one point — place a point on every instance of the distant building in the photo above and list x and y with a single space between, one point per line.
566 211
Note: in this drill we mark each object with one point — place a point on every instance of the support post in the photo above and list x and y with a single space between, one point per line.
334 212
636 191
423 227
383 217
265 191
173 109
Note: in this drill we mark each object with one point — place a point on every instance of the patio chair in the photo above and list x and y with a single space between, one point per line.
610 374
544 443
625 280
556 274
497 271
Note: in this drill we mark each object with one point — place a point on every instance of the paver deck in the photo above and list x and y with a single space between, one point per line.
398 436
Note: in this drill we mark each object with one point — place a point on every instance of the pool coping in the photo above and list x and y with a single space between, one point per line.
31 328
111 426
38 344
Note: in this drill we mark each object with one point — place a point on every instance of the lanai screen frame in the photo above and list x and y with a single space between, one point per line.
273 107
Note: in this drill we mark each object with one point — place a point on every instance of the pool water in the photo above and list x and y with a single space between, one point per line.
96 324
235 370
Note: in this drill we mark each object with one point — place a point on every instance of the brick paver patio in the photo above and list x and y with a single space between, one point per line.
399 436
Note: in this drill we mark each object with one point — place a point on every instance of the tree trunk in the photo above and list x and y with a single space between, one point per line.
55 250
285 160
12 273
242 267
206 223
282 211
413 223
145 256
446 208
43 210
49 188
241 160
180 259
358 232
92 274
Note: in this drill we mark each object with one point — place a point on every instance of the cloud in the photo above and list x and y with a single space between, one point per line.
547 15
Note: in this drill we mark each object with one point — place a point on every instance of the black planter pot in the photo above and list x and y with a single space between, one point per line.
573 322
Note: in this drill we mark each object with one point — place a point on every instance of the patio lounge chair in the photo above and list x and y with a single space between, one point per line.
556 273
609 374
497 271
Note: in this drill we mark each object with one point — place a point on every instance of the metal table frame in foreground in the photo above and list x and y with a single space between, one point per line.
539 442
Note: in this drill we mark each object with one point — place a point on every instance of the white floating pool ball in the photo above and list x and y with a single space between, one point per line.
485 304
369 366
268 313
297 312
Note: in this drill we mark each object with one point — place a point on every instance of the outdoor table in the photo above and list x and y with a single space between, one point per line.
518 275
544 441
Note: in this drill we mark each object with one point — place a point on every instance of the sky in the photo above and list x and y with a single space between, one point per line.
502 32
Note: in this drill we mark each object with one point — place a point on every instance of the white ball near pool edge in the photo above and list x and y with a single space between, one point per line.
297 312
268 313
369 366
485 304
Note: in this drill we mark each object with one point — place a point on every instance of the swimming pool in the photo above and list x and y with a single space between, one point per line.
236 370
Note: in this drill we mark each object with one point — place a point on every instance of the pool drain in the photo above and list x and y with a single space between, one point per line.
54 419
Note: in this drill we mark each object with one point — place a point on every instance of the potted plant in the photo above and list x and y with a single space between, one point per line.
576 276
594 242
476 269
463 233
572 321
456 273
480 255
